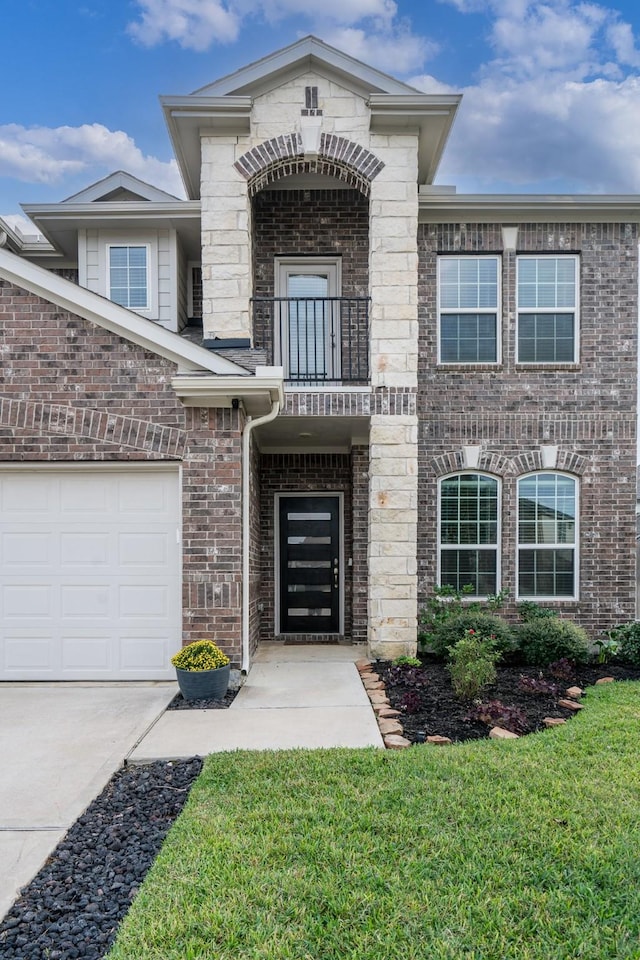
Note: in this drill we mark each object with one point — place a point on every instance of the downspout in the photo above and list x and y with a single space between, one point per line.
246 524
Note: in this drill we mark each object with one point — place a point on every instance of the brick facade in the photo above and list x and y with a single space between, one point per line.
313 473
511 411
74 392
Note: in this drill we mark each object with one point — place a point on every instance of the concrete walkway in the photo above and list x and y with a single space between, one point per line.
294 696
60 744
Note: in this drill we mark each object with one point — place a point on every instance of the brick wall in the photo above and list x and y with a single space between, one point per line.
297 473
72 391
320 223
511 411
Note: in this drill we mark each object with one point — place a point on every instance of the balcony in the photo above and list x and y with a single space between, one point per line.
317 341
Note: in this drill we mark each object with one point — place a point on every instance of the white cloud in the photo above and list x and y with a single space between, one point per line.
556 107
194 24
54 154
385 50
368 29
340 11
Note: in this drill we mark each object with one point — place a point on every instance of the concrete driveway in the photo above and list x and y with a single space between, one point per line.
60 743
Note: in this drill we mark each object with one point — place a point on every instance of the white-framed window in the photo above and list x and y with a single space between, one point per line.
129 275
468 309
308 328
548 308
469 532
547 536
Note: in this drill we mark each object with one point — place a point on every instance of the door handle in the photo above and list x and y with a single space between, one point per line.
335 572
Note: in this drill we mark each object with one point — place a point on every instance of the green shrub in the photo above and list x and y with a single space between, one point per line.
529 610
200 655
543 640
487 626
627 638
447 615
472 665
405 661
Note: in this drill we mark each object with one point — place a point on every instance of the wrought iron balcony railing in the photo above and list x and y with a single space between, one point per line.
317 341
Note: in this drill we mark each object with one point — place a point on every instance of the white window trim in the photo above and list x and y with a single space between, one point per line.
576 309
498 544
550 546
108 239
483 310
190 267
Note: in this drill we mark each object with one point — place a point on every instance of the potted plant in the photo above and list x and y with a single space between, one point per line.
202 670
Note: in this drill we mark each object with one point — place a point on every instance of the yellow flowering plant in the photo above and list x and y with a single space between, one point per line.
200 655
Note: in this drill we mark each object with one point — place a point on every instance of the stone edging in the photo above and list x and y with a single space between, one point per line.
392 731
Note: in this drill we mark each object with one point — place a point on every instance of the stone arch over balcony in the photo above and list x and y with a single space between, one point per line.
284 156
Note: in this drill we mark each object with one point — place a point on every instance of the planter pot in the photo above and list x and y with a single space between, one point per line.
204 684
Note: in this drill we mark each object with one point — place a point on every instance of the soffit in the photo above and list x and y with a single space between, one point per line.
224 107
527 208
60 222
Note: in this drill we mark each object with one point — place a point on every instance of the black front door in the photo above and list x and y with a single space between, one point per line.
310 564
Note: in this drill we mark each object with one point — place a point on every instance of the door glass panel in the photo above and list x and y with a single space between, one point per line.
308 324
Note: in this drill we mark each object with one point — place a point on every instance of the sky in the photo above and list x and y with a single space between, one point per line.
551 90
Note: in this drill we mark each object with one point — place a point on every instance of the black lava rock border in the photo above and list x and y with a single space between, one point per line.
72 909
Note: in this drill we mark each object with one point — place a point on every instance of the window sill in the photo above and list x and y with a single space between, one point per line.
454 367
569 367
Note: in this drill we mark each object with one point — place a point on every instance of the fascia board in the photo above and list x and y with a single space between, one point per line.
123 180
308 53
534 208
55 217
186 116
430 116
129 209
257 393
110 316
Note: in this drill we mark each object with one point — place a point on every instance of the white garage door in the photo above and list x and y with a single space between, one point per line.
89 573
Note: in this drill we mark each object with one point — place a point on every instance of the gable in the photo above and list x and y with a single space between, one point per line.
120 186
307 55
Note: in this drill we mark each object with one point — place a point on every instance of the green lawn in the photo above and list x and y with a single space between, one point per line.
481 851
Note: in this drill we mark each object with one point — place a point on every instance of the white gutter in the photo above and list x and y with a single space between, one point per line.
246 525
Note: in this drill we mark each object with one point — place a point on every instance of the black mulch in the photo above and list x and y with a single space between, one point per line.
430 707
72 909
179 703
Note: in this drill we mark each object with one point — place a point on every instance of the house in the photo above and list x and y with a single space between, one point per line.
286 407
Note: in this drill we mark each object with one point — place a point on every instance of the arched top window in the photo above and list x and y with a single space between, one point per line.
469 533
547 536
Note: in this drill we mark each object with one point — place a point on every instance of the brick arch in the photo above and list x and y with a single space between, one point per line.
454 462
567 462
283 156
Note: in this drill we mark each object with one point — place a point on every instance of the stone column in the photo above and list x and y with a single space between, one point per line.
226 242
393 263
393 483
393 531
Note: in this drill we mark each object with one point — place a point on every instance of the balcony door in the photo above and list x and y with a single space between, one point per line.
308 327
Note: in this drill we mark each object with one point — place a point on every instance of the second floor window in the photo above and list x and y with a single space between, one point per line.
468 297
128 276
547 309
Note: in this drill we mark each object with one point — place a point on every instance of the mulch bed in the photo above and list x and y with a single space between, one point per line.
429 706
179 703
